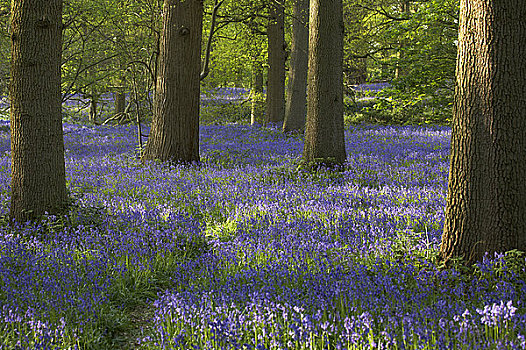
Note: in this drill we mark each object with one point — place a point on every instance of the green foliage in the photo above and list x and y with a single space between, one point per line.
360 111
109 46
239 40
412 47
225 112
223 231
386 109
5 7
113 44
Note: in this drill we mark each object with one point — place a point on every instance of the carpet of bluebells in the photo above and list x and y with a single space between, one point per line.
247 251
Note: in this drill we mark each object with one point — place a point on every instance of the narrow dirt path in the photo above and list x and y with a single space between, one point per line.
140 324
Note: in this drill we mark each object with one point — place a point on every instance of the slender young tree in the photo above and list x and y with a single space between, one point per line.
296 102
174 134
324 137
405 8
276 62
486 201
38 181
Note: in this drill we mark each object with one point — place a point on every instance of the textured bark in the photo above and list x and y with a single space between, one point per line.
296 103
257 99
38 183
324 138
276 62
486 202
174 134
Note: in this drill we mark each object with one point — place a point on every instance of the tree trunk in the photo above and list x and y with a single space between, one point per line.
38 183
399 70
120 101
296 103
174 135
486 201
276 61
93 109
361 71
257 96
324 137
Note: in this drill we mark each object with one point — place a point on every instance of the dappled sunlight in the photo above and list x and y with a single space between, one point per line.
246 250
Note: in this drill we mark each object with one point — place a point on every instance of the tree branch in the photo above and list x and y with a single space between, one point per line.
206 69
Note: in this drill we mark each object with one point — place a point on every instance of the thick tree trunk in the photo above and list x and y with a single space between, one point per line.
296 103
174 135
276 62
324 137
38 183
486 201
257 96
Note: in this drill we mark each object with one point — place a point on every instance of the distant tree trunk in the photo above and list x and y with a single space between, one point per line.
276 61
38 182
486 201
399 70
296 103
120 101
324 137
174 134
93 109
361 72
257 97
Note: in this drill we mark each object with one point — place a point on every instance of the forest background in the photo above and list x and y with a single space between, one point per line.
111 47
